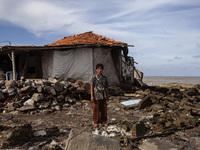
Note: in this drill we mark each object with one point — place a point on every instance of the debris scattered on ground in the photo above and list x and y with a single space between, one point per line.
39 114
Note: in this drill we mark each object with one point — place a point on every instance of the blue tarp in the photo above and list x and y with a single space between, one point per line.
131 102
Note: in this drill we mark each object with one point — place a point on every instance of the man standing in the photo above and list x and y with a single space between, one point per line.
99 95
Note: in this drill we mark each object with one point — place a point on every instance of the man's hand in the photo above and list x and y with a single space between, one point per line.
92 98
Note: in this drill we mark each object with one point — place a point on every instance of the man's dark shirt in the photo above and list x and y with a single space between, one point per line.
100 83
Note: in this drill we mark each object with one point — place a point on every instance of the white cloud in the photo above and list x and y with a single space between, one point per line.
39 16
160 30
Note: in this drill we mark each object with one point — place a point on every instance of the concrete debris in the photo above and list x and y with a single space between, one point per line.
138 129
9 83
54 109
29 102
82 140
12 91
42 94
39 133
155 144
173 109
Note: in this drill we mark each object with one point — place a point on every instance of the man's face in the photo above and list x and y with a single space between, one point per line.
99 71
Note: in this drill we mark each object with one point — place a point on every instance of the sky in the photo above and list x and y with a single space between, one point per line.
165 33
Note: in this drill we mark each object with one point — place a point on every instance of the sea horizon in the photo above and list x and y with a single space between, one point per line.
168 76
172 79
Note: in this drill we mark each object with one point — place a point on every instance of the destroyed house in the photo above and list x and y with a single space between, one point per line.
70 57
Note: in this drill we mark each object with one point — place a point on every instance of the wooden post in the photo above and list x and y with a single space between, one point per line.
13 64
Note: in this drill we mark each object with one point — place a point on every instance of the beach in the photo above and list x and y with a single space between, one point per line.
172 81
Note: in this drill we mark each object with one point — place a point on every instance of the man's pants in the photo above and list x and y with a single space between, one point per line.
99 111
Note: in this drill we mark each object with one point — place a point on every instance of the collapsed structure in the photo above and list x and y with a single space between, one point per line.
71 57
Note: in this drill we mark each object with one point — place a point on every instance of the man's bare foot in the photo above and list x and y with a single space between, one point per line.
103 125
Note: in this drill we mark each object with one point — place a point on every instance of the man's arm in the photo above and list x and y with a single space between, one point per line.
91 92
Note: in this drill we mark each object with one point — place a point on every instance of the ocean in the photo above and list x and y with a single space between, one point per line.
171 79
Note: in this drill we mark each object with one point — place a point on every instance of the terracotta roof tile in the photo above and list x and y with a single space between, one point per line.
87 38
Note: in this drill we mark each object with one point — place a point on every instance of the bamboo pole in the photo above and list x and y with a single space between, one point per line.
13 64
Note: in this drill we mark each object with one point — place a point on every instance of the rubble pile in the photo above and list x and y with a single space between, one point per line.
158 111
163 111
173 108
41 95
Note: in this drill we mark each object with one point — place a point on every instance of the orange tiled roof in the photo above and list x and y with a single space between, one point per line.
87 38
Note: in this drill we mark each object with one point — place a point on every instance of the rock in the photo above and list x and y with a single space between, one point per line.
44 105
52 79
138 129
79 82
16 112
54 145
80 140
10 83
5 111
185 121
5 91
70 100
12 91
117 109
195 112
47 83
157 107
28 83
155 144
78 103
156 116
80 89
57 108
182 90
59 86
197 87
39 89
29 102
66 105
52 131
126 126
192 91
2 97
51 90
39 133
2 83
27 108
37 97
172 106
25 89
60 99
145 102
33 112
12 106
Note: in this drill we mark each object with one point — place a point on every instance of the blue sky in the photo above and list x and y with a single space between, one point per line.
165 33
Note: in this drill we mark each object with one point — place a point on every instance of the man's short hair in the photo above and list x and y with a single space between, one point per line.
99 65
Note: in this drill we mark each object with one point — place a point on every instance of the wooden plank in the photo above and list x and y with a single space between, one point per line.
13 65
